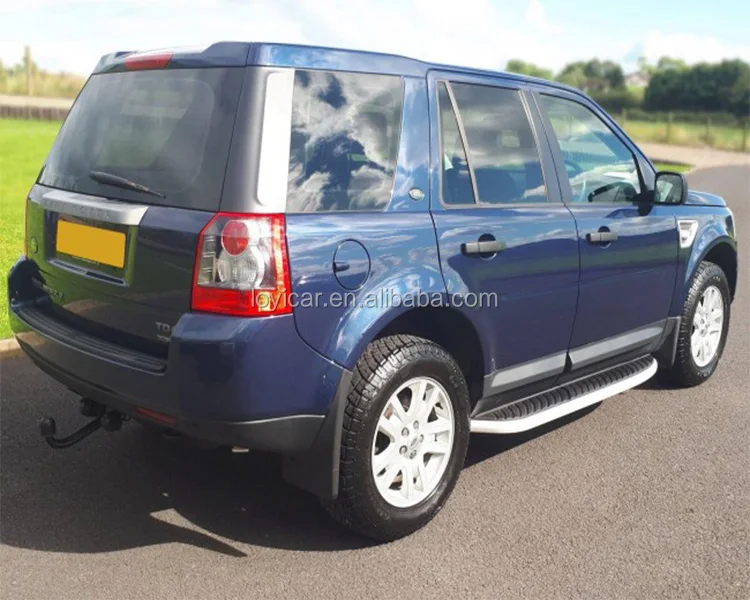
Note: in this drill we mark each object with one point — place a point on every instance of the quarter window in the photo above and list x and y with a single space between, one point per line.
344 141
502 150
599 166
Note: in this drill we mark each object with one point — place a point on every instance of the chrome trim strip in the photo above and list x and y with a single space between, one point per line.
504 379
276 133
93 207
584 355
561 410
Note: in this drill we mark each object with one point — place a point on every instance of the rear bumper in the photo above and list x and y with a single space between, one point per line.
246 382
290 434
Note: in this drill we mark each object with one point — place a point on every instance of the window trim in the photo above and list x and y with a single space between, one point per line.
563 179
468 79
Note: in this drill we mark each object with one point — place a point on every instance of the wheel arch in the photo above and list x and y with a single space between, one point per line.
452 330
714 243
724 255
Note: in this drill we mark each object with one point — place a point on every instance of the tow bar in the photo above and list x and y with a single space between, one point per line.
109 421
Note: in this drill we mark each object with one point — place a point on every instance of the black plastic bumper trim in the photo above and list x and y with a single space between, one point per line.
61 333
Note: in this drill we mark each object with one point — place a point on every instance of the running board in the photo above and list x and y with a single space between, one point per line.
558 402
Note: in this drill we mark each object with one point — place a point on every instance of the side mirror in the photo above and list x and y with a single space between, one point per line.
670 188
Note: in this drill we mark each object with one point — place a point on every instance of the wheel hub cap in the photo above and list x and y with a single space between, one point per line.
413 442
708 324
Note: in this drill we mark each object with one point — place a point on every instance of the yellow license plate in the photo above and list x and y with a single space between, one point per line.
91 243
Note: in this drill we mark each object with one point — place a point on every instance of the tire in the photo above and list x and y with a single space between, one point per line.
390 364
688 371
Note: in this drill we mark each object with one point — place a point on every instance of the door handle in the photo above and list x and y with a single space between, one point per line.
340 266
482 247
601 237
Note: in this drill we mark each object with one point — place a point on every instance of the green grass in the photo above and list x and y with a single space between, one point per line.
660 166
723 137
23 147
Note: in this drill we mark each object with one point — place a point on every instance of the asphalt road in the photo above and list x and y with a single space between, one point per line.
645 496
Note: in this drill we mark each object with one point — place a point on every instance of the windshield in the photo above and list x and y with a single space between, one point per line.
166 130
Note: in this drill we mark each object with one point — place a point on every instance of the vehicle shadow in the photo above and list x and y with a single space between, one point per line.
134 488
485 446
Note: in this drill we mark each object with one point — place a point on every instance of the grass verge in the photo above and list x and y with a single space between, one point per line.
723 137
676 167
23 147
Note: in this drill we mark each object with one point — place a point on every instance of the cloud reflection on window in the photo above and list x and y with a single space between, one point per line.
344 144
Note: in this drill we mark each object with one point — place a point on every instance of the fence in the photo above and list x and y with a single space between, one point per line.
29 107
716 131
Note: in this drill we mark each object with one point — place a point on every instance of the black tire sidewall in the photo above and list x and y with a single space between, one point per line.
688 370
433 362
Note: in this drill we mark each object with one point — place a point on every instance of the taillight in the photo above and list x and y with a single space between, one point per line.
148 60
242 266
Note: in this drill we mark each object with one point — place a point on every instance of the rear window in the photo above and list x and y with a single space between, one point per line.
168 130
344 143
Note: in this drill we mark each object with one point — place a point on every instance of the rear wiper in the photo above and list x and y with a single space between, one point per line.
121 182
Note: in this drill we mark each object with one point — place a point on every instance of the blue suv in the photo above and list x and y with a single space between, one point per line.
354 260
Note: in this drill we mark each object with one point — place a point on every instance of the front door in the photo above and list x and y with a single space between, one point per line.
628 245
508 245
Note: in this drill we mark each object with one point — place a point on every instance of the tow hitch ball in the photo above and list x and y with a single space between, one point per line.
109 421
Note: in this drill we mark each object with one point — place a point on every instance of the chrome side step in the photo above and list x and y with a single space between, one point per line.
556 403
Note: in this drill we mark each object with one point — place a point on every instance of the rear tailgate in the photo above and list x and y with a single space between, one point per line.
115 261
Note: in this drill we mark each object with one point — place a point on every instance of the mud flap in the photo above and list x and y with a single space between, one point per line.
667 351
317 469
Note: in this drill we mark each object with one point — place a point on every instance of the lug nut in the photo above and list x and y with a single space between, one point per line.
416 424
402 450
404 432
421 438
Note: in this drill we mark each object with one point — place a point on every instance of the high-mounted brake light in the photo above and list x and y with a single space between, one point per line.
242 267
148 61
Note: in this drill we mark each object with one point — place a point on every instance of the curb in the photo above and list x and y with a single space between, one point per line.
8 346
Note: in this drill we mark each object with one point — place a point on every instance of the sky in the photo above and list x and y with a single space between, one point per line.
71 35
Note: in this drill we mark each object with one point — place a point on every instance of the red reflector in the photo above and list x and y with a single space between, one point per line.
148 61
235 237
154 416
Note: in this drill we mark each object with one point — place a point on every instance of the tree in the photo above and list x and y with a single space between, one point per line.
524 68
723 86
666 63
593 76
574 74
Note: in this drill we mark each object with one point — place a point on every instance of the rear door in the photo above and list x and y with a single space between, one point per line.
116 260
628 245
507 243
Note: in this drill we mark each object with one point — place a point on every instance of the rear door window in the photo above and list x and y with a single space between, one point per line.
456 179
503 153
344 141
168 130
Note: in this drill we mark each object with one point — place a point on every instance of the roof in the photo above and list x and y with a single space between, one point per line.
309 57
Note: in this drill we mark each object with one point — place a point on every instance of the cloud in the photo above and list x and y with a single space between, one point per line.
71 35
536 17
690 48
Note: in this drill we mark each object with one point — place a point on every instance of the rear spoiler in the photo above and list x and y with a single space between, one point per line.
223 54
